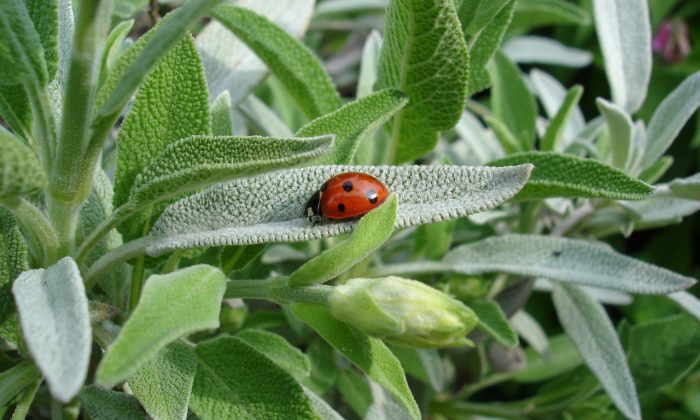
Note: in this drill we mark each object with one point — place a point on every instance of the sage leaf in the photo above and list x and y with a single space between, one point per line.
263 117
531 331
670 117
352 123
114 45
135 65
685 187
44 16
13 260
172 104
354 388
270 207
494 322
321 407
512 101
552 95
20 170
229 64
369 234
561 357
293 63
368 353
620 129
660 211
105 404
559 175
533 49
424 55
221 121
200 161
483 47
687 301
590 329
566 260
509 143
16 110
234 380
164 384
552 139
624 31
277 349
16 379
66 31
21 53
171 306
535 13
654 366
55 321
25 400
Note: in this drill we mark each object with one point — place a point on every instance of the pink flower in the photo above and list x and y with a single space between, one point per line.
671 41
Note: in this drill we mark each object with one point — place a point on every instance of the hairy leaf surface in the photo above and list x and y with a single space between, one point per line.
20 170
13 261
270 207
494 322
277 349
105 404
620 129
21 53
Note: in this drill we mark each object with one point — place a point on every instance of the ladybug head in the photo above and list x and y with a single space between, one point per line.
312 209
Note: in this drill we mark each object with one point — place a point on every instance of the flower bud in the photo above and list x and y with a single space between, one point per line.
402 311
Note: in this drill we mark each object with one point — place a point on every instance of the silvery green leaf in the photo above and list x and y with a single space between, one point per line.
264 118
533 49
20 170
330 7
688 302
13 260
44 16
660 211
320 406
563 259
607 296
683 187
269 208
229 64
424 55
370 62
624 34
221 120
21 53
295 66
587 324
383 406
482 146
551 94
654 172
66 28
279 350
535 13
553 136
620 129
670 117
105 404
55 321
530 330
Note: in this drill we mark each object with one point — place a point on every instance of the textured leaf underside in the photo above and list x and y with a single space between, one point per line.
269 207
20 170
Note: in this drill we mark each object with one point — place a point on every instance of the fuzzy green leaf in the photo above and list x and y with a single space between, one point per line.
620 129
369 354
234 380
293 63
13 260
624 32
270 207
230 65
15 109
535 13
493 322
221 121
559 175
589 327
552 139
561 357
670 117
105 404
369 234
15 379
476 14
551 94
135 65
21 53
483 47
505 137
563 259
164 384
660 211
512 101
533 49
199 161
353 122
172 104
688 302
20 170
685 187
114 45
44 16
55 321
425 56
653 365
277 349
171 306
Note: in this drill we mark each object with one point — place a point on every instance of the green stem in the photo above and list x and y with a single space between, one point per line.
173 261
276 290
137 278
64 217
42 238
15 379
112 259
94 237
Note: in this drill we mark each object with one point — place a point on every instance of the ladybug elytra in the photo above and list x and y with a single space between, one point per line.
346 195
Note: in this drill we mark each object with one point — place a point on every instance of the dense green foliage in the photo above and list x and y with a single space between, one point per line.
536 255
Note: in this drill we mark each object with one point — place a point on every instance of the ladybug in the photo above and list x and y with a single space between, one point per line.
346 195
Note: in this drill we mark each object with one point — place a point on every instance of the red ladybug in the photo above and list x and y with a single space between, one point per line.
345 196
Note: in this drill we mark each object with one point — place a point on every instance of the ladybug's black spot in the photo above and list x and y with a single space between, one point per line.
556 253
347 186
372 196
341 208
324 186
